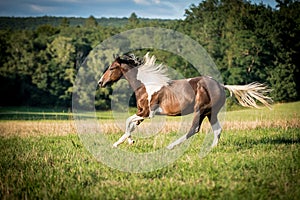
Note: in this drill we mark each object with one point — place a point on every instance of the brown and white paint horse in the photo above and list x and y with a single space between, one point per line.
157 94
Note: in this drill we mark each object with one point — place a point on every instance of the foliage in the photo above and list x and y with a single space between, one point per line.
250 42
40 57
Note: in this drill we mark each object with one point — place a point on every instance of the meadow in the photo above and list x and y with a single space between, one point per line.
258 157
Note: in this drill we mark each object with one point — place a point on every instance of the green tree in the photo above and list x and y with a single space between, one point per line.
65 22
285 75
133 19
91 22
250 42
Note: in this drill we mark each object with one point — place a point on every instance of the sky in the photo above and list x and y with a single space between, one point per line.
164 9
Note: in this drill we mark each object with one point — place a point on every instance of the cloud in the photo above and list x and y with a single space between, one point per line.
66 1
37 8
142 2
99 8
166 9
147 2
40 8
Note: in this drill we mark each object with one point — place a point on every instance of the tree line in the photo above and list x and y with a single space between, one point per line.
248 42
31 23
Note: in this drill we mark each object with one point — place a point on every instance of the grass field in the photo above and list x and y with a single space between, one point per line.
258 157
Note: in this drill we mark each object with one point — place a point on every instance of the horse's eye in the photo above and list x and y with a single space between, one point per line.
112 68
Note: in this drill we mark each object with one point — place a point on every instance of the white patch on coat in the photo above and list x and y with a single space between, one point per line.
152 75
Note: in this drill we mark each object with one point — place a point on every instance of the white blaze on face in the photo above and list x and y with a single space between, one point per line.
100 79
152 75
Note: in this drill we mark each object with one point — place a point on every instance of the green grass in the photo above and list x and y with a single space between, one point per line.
260 163
278 112
256 164
27 113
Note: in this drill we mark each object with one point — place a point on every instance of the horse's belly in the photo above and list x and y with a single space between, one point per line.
175 109
177 99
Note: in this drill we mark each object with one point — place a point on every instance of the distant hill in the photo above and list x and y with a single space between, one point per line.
34 22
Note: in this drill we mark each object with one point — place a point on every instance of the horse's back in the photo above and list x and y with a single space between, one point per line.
179 97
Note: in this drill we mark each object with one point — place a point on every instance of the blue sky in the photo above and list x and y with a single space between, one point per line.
166 9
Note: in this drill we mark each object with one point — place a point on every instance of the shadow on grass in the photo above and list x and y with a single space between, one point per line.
250 143
258 137
44 116
283 141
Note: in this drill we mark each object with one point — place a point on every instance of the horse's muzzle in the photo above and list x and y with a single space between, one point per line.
101 84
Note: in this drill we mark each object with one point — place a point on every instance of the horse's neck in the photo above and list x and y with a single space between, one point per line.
131 77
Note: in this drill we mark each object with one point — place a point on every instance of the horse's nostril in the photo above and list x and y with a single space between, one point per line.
101 84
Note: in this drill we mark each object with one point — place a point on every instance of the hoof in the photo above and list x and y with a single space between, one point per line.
214 144
170 147
131 142
115 145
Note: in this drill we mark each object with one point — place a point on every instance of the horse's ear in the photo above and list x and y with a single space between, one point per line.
116 56
124 57
118 59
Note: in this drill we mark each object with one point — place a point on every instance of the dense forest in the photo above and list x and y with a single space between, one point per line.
31 23
40 57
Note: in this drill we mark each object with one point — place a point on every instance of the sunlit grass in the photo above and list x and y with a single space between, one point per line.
257 157
260 163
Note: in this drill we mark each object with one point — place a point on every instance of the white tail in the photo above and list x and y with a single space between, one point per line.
248 94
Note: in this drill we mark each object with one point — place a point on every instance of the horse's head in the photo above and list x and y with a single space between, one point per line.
118 68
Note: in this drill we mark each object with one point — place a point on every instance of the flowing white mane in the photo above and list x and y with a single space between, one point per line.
152 74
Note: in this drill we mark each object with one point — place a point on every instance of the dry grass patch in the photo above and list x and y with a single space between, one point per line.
62 128
282 116
36 128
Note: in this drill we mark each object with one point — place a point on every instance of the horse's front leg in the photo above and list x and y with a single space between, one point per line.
131 124
129 139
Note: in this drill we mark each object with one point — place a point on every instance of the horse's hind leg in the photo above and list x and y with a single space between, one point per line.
217 129
201 101
193 130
